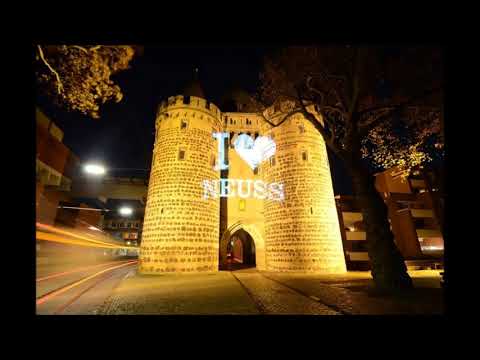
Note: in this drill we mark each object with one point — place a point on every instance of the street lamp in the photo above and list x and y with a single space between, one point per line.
98 169
125 211
94 169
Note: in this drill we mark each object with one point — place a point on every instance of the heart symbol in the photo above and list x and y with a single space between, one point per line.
254 152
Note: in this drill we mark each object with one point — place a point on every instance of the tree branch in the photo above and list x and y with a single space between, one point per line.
407 102
365 128
80 48
282 121
59 82
311 88
328 140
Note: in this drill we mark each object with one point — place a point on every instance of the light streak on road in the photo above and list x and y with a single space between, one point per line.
52 233
57 292
52 276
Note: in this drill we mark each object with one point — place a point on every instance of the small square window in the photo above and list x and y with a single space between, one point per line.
181 154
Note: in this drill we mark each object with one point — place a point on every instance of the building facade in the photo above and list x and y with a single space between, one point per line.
414 216
196 210
55 166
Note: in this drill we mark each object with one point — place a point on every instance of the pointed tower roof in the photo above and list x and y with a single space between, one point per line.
194 88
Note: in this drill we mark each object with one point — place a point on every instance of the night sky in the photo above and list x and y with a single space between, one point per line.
123 137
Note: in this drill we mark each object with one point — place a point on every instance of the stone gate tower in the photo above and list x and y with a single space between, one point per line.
184 232
302 233
181 231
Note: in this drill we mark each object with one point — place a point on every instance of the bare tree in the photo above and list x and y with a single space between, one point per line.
341 84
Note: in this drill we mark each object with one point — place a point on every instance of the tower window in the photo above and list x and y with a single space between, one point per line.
181 154
304 156
272 161
183 124
255 171
242 204
186 99
301 128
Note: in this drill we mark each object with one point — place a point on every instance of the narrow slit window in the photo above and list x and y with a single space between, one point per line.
304 156
183 124
272 161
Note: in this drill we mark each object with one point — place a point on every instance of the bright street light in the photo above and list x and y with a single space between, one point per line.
95 169
125 211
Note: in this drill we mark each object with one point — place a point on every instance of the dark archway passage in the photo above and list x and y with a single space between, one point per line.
241 251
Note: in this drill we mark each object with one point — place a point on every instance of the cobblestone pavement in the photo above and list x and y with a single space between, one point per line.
354 296
272 297
179 294
252 292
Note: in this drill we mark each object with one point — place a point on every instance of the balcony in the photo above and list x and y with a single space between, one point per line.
422 213
428 233
356 235
351 217
358 256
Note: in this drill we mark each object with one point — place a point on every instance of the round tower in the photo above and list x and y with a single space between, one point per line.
302 232
180 233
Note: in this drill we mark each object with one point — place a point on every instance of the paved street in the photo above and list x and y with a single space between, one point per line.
115 287
80 290
251 292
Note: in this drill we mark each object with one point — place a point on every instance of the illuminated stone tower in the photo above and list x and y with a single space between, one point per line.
184 232
302 233
181 230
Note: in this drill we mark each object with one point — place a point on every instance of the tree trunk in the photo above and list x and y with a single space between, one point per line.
388 267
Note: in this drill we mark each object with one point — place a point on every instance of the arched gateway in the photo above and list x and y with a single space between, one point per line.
252 243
